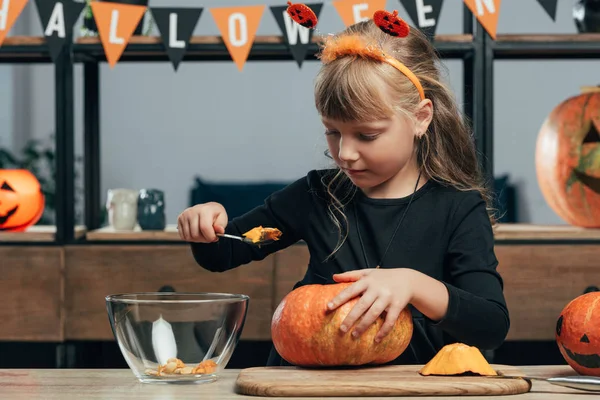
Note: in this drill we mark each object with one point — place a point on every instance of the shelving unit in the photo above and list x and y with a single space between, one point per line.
33 50
467 46
477 50
530 47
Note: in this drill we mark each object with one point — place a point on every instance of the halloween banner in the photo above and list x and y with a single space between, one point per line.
57 19
486 12
353 11
238 26
550 7
116 23
176 26
9 12
424 14
297 37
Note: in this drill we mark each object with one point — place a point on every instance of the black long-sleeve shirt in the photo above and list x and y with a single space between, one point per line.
445 234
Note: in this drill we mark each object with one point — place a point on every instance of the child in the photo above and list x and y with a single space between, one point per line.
402 214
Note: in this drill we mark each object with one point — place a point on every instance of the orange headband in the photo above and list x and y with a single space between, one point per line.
354 46
389 23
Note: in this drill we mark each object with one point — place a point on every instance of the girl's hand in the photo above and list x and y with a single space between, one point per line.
382 290
202 222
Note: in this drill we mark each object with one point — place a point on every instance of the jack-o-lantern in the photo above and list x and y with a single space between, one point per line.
21 200
578 334
568 159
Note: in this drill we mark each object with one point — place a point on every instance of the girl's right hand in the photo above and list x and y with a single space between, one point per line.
202 222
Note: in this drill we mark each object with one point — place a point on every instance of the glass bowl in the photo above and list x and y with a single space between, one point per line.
177 337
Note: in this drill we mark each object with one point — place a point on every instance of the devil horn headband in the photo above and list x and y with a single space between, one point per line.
390 23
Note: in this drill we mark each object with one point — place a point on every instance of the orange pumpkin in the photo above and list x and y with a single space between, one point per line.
306 334
21 200
567 159
578 333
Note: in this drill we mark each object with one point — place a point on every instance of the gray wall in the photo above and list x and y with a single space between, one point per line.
160 128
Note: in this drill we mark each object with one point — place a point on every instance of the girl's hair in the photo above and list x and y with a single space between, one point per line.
351 88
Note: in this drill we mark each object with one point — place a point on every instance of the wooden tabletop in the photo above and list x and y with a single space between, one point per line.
117 384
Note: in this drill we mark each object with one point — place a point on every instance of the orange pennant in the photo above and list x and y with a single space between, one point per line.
116 23
353 11
238 26
486 12
9 12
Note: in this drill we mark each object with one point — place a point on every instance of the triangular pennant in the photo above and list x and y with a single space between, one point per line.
116 23
238 26
550 7
176 26
486 12
9 12
424 14
57 18
297 37
353 11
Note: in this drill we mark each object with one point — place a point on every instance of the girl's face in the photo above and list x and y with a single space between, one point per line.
378 156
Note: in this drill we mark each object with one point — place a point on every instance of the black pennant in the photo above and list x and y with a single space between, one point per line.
424 14
176 26
297 38
57 18
550 7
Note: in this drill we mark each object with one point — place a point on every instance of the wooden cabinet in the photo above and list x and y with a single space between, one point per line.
32 289
57 293
93 272
539 281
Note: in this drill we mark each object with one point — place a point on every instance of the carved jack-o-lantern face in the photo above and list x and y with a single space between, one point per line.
578 334
21 200
568 159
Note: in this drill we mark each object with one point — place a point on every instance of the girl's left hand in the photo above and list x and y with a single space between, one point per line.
382 290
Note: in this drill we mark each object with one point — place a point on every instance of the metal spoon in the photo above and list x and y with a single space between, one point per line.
589 383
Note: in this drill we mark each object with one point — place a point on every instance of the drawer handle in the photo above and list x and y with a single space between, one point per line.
590 289
167 288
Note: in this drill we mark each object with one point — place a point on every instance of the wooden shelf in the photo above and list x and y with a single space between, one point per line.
24 49
544 232
503 232
565 46
264 39
582 37
110 234
37 233
212 48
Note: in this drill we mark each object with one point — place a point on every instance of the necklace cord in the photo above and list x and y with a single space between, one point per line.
395 230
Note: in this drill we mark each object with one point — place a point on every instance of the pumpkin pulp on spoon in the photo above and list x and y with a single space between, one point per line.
260 234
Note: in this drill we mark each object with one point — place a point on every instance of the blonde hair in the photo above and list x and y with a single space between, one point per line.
348 88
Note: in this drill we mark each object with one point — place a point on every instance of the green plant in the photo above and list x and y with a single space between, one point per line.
39 158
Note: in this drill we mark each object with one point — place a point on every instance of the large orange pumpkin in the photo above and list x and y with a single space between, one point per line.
21 200
568 159
305 333
578 333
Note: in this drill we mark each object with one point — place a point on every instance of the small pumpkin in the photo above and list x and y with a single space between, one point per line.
457 359
306 334
567 159
578 333
302 14
21 200
391 23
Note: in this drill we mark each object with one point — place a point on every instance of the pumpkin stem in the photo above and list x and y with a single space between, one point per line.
590 89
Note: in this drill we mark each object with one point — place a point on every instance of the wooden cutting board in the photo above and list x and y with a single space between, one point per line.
392 380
